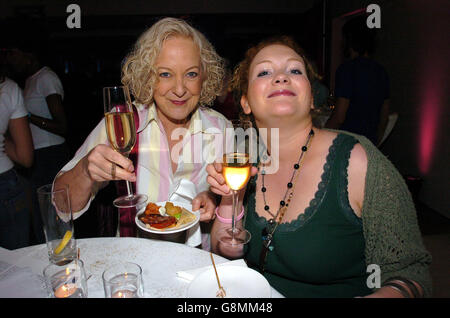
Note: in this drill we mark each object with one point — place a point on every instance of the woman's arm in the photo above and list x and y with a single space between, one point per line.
225 211
392 235
218 186
398 288
92 172
19 147
357 173
57 125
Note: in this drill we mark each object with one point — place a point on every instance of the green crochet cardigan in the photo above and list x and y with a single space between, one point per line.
391 231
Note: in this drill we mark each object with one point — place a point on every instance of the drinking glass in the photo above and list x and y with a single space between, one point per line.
123 280
66 281
57 220
236 168
120 128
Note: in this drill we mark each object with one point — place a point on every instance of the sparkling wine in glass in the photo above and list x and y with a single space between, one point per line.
121 132
236 168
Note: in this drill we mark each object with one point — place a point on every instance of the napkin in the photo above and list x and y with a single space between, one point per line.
18 282
184 192
190 274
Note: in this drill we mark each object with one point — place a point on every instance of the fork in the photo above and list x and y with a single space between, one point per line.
221 292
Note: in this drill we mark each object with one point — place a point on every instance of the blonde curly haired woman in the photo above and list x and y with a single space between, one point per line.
173 73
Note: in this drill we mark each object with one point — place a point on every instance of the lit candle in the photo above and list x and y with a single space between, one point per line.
65 290
124 294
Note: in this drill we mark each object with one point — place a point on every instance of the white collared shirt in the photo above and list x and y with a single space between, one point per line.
200 145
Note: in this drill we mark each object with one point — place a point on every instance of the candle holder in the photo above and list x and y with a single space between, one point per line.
66 281
123 280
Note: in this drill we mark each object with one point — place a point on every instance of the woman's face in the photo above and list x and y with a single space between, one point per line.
179 79
278 86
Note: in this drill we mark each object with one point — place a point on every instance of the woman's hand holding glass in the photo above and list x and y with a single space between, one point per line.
217 181
234 173
98 165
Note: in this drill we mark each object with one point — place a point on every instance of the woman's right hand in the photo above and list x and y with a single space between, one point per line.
97 165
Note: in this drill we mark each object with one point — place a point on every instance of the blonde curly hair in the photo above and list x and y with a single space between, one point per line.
139 72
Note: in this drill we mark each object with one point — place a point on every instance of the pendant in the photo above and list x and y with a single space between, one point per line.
270 225
267 241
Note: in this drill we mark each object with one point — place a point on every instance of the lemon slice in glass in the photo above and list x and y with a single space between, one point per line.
63 242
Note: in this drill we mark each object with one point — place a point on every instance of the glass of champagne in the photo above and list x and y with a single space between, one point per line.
121 132
236 168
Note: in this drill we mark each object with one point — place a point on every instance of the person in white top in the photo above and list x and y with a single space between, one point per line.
16 146
43 98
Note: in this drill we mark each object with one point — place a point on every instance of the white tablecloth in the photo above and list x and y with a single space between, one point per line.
160 260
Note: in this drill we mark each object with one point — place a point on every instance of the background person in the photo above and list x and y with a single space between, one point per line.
361 86
43 97
16 146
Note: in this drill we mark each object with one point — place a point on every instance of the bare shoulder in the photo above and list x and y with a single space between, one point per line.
357 169
358 158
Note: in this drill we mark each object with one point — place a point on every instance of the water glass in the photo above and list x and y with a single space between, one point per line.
66 281
57 220
123 280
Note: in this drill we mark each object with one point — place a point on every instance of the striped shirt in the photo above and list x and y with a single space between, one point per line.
198 145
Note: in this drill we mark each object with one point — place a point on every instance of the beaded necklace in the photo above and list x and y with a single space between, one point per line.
272 224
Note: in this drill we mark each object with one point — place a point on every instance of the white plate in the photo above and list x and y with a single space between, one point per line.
238 282
184 227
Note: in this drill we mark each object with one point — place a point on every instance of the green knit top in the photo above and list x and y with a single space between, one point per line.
389 237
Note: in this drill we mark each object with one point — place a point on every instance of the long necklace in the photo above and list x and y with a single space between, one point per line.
272 224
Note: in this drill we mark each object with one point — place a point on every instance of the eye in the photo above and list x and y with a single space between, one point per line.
164 74
296 71
263 73
192 74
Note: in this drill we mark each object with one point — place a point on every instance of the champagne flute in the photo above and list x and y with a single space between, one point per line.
121 131
236 168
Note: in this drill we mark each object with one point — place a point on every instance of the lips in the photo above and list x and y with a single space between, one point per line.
178 102
282 92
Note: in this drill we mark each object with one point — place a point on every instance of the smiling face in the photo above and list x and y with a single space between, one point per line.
179 80
278 86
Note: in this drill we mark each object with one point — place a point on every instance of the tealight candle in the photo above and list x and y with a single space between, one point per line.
68 281
123 280
65 290
124 294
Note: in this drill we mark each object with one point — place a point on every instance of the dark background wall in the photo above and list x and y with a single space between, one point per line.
413 47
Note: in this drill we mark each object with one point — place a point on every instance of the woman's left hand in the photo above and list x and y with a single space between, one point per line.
206 202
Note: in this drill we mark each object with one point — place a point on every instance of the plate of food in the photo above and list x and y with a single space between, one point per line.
166 217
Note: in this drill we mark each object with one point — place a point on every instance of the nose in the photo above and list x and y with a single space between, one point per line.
281 78
180 88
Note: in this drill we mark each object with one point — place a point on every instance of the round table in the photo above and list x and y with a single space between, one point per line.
160 261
